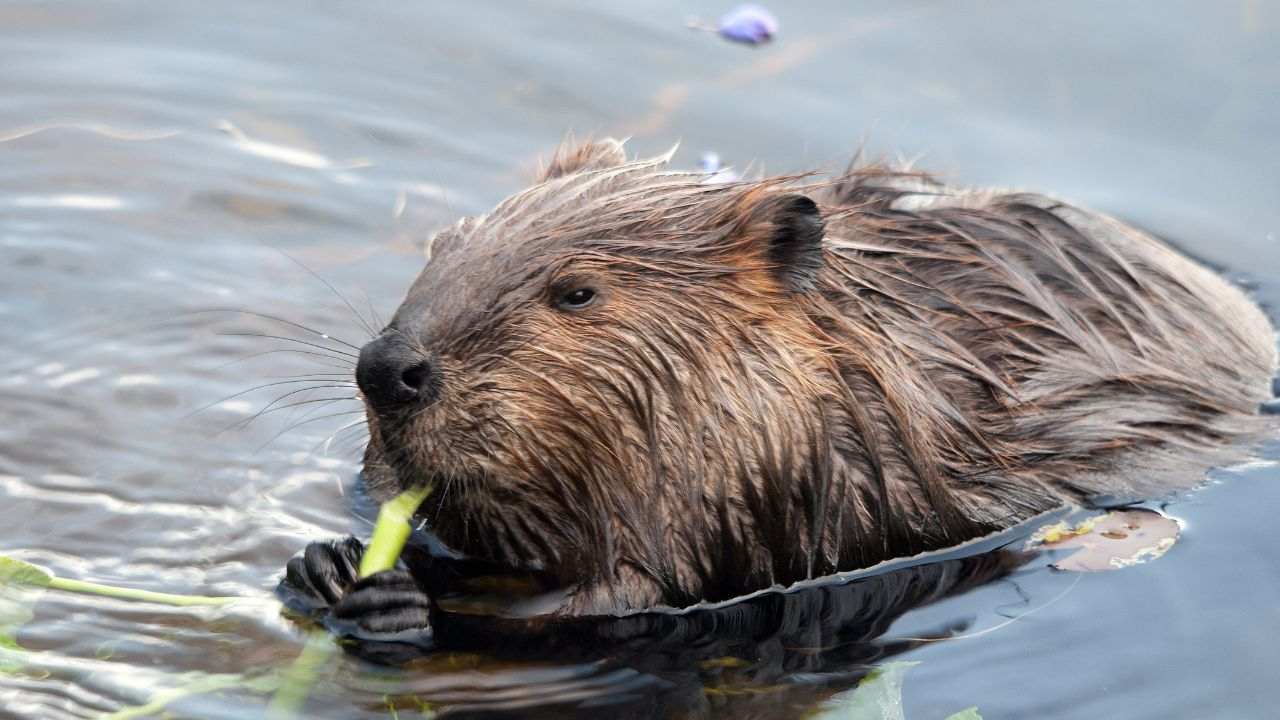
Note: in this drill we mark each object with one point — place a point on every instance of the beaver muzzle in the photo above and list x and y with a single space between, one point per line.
395 376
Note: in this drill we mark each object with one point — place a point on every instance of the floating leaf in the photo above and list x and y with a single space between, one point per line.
17 572
1112 541
966 714
749 24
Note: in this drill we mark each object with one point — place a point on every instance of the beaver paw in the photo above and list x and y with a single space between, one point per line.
385 603
321 575
324 582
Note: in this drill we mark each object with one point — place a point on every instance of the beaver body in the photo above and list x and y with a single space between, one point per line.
652 390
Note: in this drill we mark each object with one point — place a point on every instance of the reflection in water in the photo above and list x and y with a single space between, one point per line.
745 658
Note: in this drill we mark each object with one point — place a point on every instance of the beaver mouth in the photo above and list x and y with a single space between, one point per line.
444 516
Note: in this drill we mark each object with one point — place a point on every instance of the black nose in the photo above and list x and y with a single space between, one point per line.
393 374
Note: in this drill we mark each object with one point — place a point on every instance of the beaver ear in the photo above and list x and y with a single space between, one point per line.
795 245
572 157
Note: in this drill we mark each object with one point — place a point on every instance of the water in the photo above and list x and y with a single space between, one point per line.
165 160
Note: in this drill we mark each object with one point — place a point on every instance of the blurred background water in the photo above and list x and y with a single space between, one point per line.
164 162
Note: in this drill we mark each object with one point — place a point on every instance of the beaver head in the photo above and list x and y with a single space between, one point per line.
590 373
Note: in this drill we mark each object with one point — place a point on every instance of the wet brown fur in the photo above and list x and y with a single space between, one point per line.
752 400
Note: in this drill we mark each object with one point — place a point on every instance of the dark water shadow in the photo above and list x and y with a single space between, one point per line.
771 652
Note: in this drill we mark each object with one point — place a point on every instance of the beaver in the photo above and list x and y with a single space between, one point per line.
648 389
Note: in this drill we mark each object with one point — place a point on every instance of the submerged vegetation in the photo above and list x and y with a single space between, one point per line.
21 584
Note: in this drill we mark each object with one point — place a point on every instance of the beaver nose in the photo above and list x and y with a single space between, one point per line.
393 374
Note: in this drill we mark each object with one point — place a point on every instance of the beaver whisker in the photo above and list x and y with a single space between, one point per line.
347 446
334 436
244 423
446 488
282 321
299 403
330 375
268 407
373 313
359 318
307 421
344 363
335 352
315 384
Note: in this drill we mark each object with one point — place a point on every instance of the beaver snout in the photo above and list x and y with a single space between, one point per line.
395 375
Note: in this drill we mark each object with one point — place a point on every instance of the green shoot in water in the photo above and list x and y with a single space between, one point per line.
22 573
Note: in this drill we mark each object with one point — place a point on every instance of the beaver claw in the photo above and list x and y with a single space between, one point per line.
386 602
323 573
324 581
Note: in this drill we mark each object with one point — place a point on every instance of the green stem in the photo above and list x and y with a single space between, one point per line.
391 531
300 676
92 588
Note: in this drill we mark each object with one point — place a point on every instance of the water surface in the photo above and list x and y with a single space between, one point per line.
161 162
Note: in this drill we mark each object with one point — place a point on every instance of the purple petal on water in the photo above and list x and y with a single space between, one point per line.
750 24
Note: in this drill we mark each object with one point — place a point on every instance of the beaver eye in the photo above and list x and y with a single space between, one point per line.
577 299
